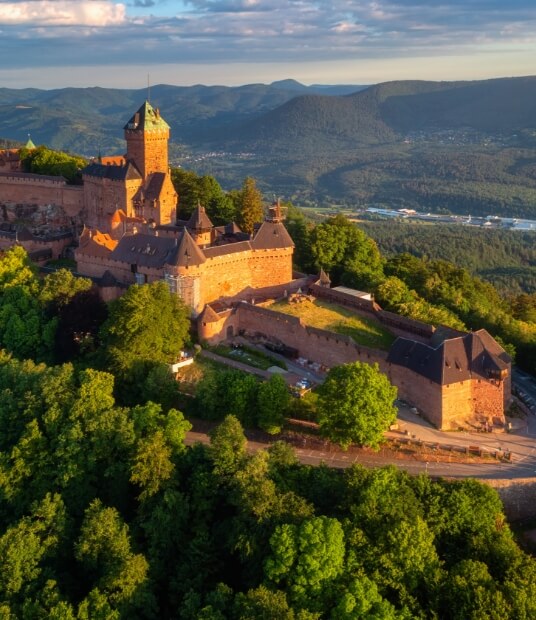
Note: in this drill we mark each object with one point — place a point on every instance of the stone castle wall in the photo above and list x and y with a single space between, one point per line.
488 399
447 407
55 246
34 189
114 194
318 345
148 150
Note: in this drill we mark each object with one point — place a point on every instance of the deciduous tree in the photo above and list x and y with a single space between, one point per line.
355 405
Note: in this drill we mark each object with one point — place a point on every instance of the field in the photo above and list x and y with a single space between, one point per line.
337 319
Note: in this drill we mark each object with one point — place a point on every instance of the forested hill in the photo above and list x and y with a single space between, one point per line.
283 115
388 112
84 119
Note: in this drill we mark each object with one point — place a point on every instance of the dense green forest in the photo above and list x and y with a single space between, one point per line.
106 514
505 258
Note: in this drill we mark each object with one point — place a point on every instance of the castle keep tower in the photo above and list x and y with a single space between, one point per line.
147 135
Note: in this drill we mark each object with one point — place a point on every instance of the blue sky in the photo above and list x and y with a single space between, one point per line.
56 43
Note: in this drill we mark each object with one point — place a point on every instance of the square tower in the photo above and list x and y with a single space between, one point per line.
147 136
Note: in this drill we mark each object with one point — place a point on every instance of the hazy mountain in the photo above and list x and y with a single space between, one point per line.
85 119
387 112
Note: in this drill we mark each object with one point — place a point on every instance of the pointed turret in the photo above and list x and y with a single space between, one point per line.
199 220
324 279
200 226
188 253
29 144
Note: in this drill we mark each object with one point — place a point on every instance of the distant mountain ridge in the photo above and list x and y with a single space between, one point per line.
284 115
84 120
386 112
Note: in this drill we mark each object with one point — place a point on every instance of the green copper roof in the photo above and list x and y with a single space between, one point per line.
147 119
29 145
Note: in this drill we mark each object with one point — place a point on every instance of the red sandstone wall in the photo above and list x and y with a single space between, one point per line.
73 200
488 400
270 267
31 190
457 405
316 345
56 247
216 332
233 276
419 392
103 196
149 151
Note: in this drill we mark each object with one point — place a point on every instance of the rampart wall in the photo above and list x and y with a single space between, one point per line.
518 496
318 345
35 189
56 245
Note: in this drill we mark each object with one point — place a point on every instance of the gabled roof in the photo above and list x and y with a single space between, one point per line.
456 359
144 250
199 220
209 315
153 189
271 236
95 243
146 118
187 252
115 173
227 248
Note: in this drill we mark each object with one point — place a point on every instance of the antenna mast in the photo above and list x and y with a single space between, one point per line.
148 88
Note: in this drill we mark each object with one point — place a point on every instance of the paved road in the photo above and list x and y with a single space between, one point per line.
525 387
523 465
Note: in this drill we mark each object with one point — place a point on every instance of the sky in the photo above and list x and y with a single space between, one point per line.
109 43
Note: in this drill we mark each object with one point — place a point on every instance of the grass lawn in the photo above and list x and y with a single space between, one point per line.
338 319
249 356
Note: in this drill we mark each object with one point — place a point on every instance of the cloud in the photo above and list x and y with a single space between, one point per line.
96 13
57 32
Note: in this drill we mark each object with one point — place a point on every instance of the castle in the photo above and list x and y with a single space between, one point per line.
131 235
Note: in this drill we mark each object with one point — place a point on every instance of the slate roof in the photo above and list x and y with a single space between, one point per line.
187 253
146 118
271 236
228 248
454 360
229 229
199 220
144 250
114 173
153 188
